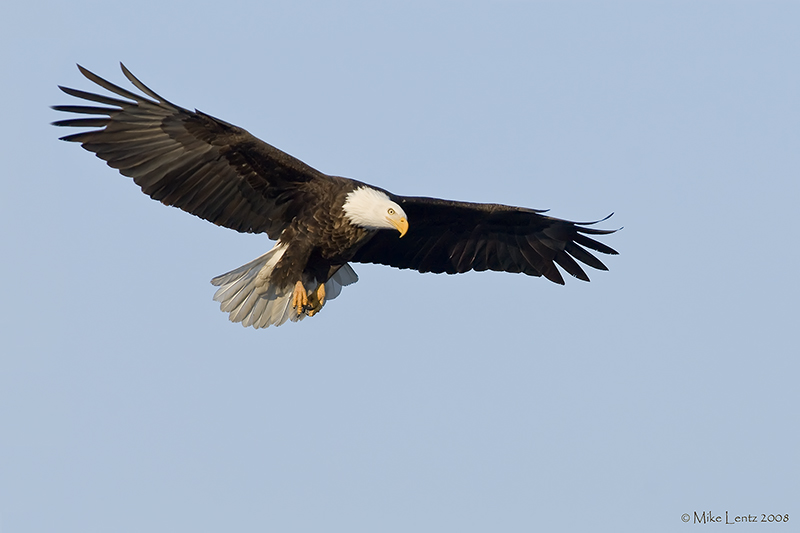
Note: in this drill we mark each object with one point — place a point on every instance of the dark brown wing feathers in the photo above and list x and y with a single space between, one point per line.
221 173
191 160
453 237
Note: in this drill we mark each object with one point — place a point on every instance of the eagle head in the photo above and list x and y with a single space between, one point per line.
373 209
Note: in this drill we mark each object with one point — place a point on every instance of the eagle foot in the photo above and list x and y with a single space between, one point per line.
316 300
299 298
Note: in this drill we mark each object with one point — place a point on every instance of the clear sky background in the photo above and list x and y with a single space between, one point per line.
479 402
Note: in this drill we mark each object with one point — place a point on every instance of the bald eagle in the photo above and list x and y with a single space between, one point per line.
221 173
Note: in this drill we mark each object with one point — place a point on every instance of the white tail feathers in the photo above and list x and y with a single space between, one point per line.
249 298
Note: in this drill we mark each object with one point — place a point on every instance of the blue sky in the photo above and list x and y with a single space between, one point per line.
479 402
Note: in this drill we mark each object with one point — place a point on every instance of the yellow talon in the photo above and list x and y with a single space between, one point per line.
299 298
321 294
316 300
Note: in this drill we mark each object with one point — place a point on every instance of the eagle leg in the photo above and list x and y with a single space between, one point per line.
299 298
316 300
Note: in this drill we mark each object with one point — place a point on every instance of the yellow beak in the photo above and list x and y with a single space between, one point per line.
401 225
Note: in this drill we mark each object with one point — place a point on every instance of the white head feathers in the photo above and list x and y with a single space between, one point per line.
373 209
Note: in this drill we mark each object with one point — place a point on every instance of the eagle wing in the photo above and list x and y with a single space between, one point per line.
454 237
191 160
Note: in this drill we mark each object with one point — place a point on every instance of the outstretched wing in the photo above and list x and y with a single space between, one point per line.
203 165
453 237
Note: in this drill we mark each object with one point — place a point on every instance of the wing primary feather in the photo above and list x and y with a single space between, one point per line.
85 109
82 122
547 255
144 88
594 231
583 256
95 97
568 263
542 249
594 245
593 222
76 137
552 273
105 84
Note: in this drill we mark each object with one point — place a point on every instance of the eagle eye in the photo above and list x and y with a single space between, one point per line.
391 211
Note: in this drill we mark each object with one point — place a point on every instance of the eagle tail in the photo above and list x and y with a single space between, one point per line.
247 296
342 278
